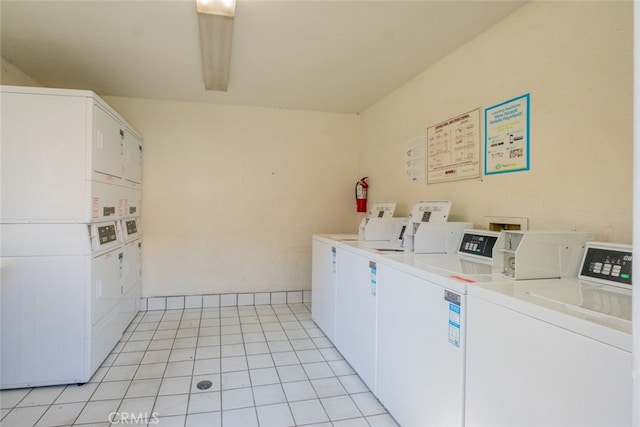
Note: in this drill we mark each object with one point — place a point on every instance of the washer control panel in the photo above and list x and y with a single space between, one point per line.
609 264
478 243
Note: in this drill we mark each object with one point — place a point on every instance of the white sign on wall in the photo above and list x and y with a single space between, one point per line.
414 159
453 148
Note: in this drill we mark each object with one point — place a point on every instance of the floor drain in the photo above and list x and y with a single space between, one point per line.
204 385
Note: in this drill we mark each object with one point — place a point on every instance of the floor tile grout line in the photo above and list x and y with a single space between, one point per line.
252 317
130 382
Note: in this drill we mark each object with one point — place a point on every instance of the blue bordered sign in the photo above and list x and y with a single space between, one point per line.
506 136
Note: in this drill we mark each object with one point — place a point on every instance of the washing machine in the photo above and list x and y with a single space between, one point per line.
421 327
423 320
378 226
61 293
553 352
344 274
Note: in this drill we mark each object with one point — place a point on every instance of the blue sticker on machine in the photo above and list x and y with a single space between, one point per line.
454 324
374 277
333 258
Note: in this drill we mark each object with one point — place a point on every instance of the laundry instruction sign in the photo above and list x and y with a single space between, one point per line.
506 136
453 148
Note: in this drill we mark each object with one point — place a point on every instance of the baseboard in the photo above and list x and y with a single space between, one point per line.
224 300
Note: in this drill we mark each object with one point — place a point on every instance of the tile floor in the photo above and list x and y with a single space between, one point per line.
269 366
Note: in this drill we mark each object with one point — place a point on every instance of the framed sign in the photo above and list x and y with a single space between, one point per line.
506 136
453 149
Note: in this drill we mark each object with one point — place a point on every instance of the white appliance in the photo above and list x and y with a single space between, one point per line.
63 306
539 254
344 284
70 241
379 224
323 281
424 212
379 229
472 262
356 308
324 268
56 139
421 327
432 238
376 229
553 352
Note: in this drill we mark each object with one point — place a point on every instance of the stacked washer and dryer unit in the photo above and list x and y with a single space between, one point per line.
70 236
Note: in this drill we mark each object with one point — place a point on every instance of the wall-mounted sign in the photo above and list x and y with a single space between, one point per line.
414 159
506 136
453 149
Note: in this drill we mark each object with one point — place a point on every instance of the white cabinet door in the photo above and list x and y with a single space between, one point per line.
132 157
108 140
420 354
132 265
43 320
107 286
42 168
356 315
526 372
323 287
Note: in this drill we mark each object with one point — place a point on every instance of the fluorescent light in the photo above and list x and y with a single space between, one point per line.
217 7
215 19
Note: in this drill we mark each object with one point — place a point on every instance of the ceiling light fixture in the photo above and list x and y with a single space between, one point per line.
215 19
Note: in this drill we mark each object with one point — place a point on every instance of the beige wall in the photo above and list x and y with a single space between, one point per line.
575 59
233 194
12 75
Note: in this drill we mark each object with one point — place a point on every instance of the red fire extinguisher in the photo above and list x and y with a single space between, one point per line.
361 194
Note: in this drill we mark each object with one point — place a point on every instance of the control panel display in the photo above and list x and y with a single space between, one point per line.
608 264
132 227
478 244
107 233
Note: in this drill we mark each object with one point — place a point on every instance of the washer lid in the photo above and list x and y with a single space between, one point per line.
588 298
590 309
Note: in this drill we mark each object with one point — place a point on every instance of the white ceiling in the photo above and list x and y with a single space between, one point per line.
332 55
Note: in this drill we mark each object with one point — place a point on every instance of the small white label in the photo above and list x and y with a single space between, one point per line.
95 207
